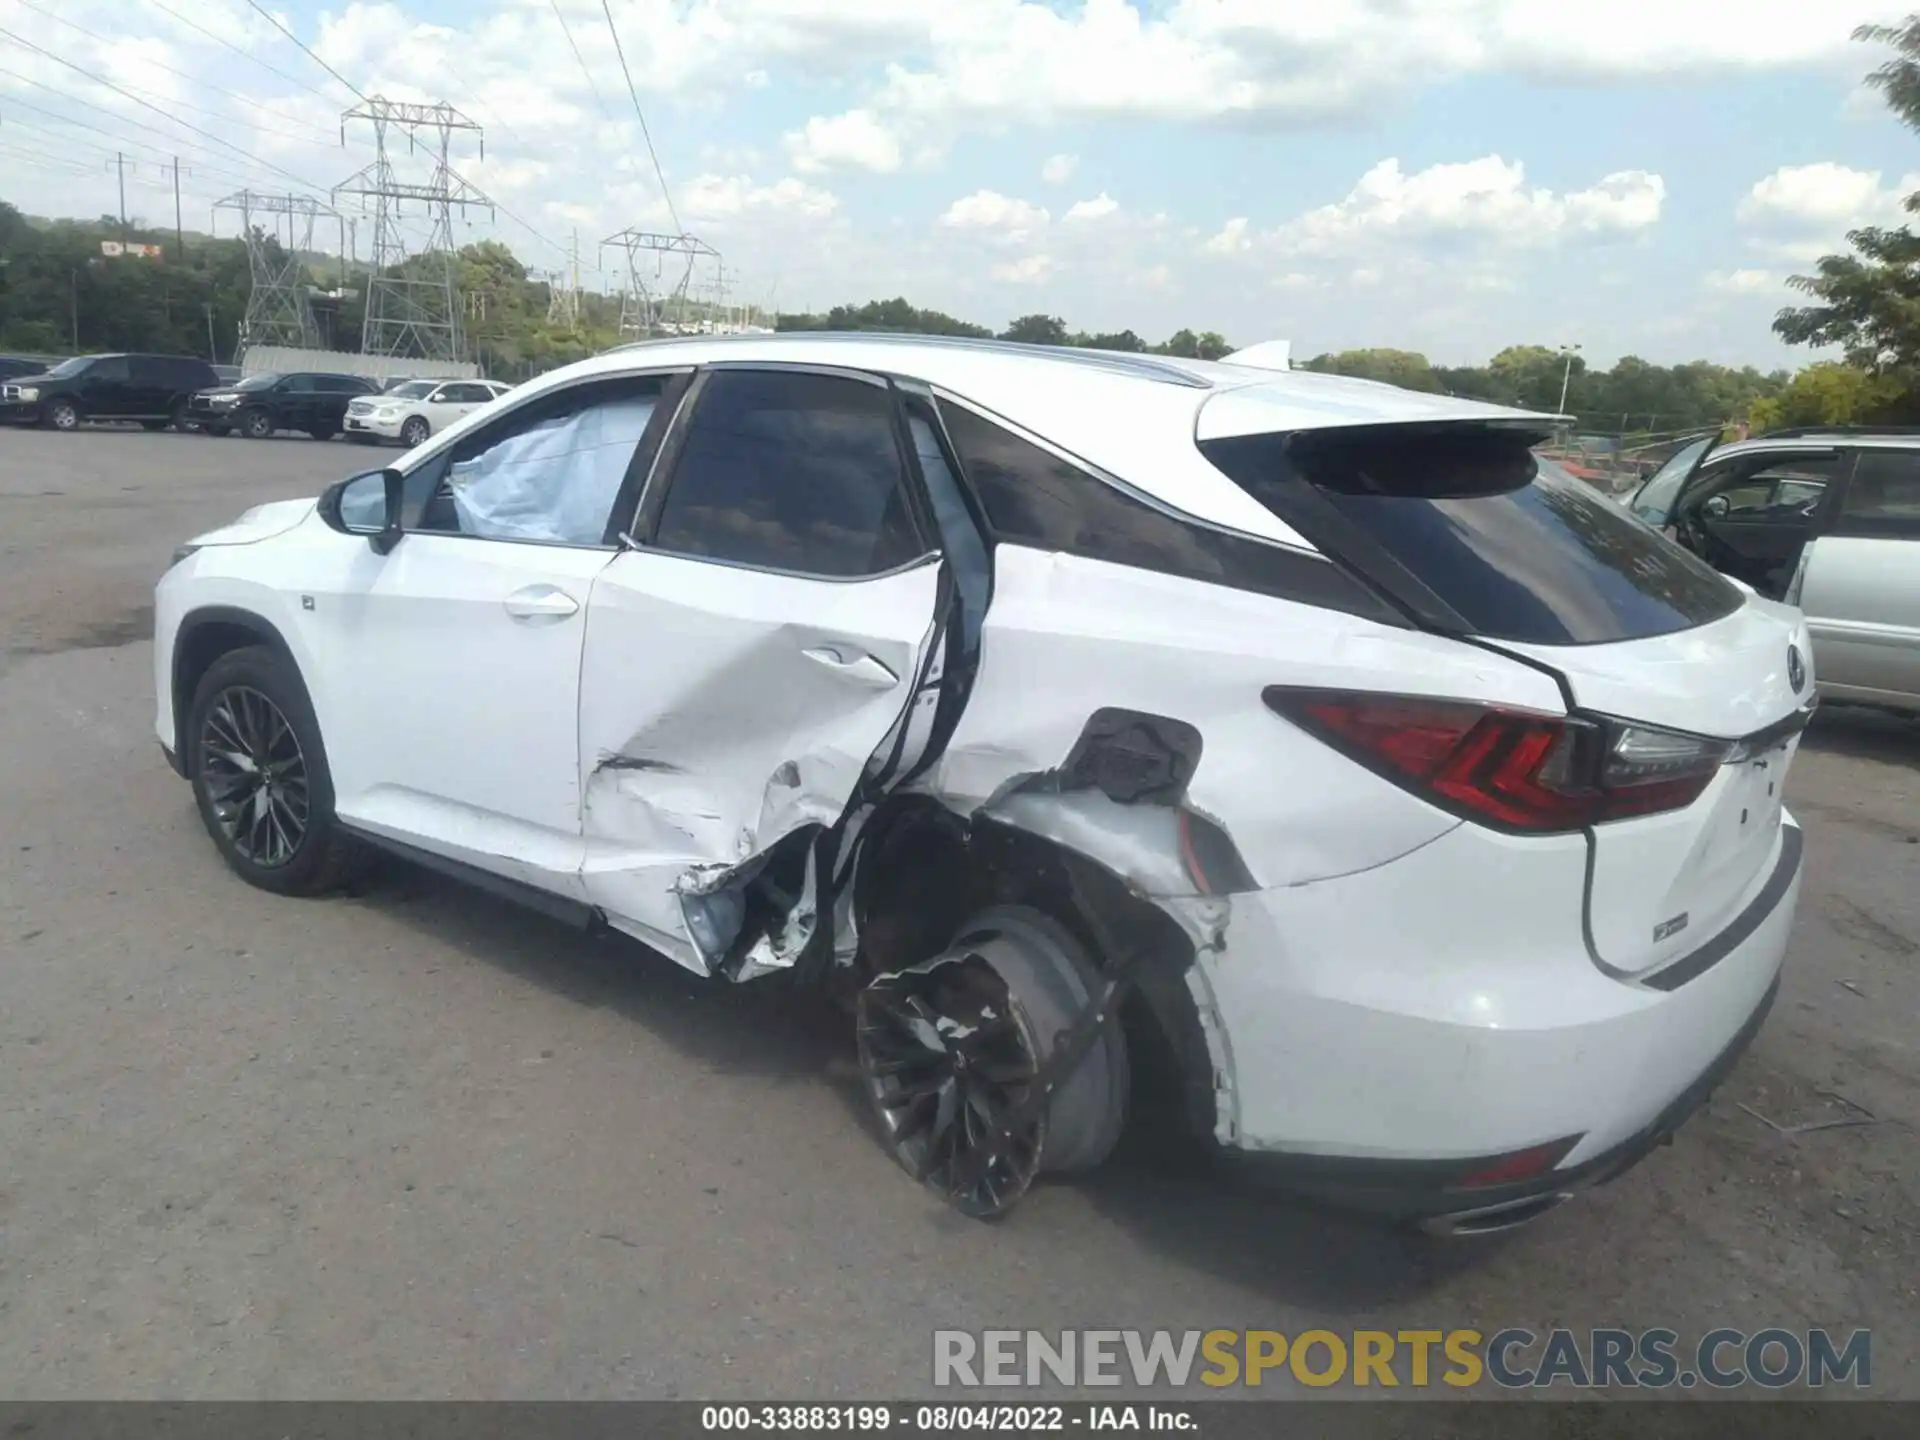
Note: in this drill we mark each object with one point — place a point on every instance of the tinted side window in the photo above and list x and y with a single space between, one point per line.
1768 484
791 472
108 367
1883 497
1033 497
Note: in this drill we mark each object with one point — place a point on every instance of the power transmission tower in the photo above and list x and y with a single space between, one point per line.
563 291
279 311
413 303
660 271
563 301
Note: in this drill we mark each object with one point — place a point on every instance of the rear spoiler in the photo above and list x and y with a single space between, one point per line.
1267 355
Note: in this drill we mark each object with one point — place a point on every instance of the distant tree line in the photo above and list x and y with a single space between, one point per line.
900 317
60 295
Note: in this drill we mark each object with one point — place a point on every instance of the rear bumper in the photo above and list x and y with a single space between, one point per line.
1380 1038
1420 1190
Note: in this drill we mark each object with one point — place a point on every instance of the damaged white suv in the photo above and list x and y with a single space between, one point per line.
1083 716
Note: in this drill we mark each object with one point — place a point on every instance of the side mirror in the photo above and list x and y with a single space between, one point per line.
366 505
1716 507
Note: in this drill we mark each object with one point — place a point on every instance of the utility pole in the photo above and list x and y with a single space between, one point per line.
179 232
120 164
213 350
1566 375
73 301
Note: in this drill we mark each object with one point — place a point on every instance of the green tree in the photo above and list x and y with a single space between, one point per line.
1832 394
1868 302
1037 330
1111 340
1408 369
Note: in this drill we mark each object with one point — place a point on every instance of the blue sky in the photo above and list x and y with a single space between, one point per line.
1442 175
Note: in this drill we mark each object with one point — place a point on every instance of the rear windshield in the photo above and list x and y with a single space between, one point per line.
1515 546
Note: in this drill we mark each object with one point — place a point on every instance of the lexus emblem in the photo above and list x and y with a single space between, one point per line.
1796 669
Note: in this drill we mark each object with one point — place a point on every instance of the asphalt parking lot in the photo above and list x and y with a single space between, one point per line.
416 1143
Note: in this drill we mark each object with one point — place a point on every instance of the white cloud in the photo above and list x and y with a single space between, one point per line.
1028 270
1487 199
1098 208
1823 196
1011 220
855 140
709 197
1233 237
1258 61
1059 169
1744 282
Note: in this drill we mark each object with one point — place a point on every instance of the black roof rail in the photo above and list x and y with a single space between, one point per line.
1798 432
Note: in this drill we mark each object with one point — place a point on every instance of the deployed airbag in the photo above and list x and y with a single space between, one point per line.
556 481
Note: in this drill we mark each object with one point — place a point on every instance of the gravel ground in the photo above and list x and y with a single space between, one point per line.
415 1143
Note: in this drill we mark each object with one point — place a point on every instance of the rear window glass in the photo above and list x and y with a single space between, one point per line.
1518 548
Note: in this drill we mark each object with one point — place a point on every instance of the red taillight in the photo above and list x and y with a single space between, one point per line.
1514 769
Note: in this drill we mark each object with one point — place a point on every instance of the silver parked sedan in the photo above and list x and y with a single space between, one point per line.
1826 519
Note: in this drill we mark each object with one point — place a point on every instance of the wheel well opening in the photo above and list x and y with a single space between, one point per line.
925 870
203 642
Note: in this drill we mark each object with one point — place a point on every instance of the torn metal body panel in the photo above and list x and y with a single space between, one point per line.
724 709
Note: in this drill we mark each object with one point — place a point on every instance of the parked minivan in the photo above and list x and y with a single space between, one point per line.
1826 519
152 389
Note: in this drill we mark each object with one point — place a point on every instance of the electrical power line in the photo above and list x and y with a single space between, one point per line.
195 80
269 17
120 141
172 119
659 174
237 49
599 102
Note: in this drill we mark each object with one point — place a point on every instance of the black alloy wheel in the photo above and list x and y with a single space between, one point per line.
946 1058
255 775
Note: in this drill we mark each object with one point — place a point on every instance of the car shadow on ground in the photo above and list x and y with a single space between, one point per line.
1159 1186
1864 734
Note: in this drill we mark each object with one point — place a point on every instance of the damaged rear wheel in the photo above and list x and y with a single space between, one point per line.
950 1050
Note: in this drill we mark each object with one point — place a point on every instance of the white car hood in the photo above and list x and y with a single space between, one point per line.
262 522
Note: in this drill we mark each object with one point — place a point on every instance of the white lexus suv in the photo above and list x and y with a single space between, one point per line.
1297 748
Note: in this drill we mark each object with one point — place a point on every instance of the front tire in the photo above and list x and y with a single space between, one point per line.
256 425
259 772
415 432
60 415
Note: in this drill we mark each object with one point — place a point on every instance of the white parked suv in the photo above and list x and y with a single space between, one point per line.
1407 811
417 409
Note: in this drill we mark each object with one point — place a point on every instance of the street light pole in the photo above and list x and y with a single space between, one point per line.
1566 375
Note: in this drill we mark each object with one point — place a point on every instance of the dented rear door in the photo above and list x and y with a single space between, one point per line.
754 654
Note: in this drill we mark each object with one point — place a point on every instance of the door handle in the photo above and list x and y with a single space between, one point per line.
856 665
541 602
